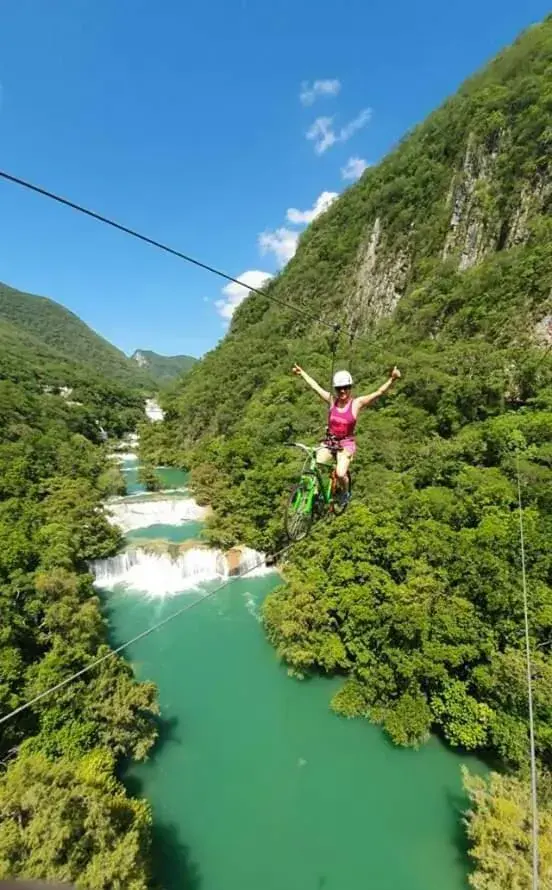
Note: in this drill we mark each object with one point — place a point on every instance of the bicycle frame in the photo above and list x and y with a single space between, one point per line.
313 479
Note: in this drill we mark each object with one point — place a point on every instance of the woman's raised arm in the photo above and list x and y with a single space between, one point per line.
324 394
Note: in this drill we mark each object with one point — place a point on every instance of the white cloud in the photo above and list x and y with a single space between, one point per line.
356 124
321 134
282 243
234 294
324 136
354 168
306 216
310 94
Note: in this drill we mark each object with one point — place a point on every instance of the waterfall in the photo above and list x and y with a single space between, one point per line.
252 562
133 514
154 411
158 574
124 457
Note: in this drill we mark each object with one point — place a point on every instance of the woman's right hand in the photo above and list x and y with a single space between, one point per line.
297 370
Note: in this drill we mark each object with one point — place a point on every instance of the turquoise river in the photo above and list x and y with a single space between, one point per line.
255 784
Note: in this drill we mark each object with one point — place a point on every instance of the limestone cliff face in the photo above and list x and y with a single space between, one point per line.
535 198
381 280
473 227
543 330
476 227
140 359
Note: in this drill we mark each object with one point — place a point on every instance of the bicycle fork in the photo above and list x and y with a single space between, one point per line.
305 498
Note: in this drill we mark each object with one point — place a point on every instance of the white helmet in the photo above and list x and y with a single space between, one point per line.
342 378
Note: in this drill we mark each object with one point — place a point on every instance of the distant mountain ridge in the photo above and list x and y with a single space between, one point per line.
163 367
60 331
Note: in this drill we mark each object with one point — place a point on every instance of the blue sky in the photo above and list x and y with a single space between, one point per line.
189 120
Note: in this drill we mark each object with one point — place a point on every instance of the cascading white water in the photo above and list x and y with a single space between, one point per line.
158 574
154 411
142 497
132 514
125 457
130 441
252 562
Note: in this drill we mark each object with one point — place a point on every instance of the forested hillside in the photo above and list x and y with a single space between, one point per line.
163 368
440 261
62 331
63 812
96 402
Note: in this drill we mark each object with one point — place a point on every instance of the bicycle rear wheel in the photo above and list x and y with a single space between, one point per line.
298 513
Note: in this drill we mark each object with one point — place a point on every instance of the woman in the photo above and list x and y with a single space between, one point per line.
342 420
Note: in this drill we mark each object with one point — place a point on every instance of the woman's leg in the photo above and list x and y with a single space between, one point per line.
344 458
323 455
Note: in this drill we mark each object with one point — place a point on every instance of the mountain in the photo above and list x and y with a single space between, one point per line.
60 330
163 368
438 260
68 362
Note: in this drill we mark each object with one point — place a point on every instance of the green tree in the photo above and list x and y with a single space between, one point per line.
499 830
71 820
148 477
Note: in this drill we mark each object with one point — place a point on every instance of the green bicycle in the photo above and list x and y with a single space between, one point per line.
312 496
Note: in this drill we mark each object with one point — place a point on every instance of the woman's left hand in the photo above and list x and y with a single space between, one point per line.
395 373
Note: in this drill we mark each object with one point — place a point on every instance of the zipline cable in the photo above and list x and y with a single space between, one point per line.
534 802
334 342
9 177
147 240
145 633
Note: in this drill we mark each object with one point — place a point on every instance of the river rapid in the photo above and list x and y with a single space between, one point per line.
256 784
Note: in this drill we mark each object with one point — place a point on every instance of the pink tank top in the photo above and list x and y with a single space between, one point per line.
341 424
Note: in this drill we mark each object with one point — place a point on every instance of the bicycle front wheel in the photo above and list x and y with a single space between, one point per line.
298 513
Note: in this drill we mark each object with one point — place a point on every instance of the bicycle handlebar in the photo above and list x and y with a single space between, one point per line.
300 445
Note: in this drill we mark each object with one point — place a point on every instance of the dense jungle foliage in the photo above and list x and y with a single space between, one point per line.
63 812
440 261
